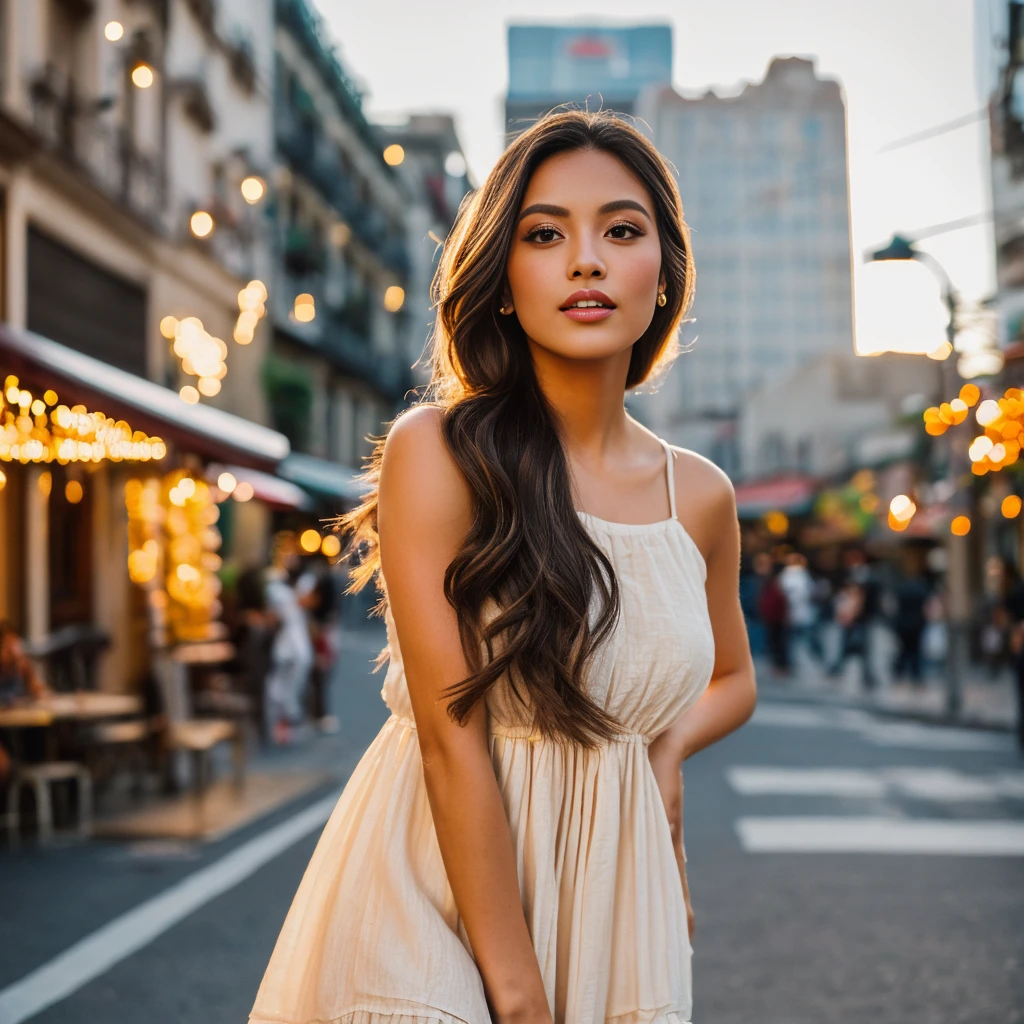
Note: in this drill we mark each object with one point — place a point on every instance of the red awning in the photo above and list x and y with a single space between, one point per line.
792 494
78 378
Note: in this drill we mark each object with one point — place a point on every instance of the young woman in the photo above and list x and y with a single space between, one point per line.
564 630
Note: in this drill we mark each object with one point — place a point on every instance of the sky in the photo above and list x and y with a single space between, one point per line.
905 65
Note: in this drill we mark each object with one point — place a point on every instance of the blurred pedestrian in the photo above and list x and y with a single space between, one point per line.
291 654
911 594
798 586
19 680
773 610
856 607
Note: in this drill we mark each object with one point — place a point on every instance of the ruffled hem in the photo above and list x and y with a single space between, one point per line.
439 1017
373 1017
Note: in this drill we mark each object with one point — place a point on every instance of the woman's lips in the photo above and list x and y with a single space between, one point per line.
588 314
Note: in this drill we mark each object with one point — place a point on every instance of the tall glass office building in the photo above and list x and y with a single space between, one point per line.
763 176
608 67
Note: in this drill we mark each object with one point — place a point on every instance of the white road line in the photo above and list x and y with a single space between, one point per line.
939 785
755 781
881 835
125 935
878 731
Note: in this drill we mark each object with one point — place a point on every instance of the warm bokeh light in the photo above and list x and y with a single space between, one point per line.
201 224
980 447
940 352
305 309
3 479
168 327
341 234
142 76
960 527
243 491
902 508
394 155
899 308
394 298
776 522
66 434
310 541
330 546
899 525
73 492
1011 506
189 395
226 482
113 31
252 189
209 386
969 394
988 412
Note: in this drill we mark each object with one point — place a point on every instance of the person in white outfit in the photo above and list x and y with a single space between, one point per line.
291 656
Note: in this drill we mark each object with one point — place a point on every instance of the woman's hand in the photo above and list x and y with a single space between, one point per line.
668 774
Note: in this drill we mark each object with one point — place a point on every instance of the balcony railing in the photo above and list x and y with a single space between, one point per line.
105 152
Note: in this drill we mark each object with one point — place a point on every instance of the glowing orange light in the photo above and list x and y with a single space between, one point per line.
201 224
330 546
1011 506
142 76
73 492
960 527
309 541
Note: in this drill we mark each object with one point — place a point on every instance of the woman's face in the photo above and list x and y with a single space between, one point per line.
587 234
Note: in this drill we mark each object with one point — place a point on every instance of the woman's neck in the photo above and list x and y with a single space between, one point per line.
587 398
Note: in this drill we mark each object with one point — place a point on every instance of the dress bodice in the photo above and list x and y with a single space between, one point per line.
658 658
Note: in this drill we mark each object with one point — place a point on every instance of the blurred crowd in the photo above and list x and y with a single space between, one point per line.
820 612
285 620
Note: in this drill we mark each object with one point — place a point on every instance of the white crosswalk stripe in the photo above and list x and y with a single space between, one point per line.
881 835
939 785
879 731
896 809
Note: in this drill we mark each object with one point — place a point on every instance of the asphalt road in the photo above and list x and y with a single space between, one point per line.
845 868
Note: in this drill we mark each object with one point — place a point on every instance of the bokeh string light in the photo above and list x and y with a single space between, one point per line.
41 430
252 307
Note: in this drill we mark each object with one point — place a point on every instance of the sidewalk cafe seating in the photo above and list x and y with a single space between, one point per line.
198 737
39 778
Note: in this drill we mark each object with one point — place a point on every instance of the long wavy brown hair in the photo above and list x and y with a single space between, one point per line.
526 550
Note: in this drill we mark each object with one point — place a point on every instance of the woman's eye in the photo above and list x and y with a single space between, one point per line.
542 235
624 231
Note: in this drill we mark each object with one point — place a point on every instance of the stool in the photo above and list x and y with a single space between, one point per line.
40 777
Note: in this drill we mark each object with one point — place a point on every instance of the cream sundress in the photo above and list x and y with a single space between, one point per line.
373 935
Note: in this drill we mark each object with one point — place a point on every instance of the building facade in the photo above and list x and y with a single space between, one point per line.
433 169
591 66
763 177
340 365
119 123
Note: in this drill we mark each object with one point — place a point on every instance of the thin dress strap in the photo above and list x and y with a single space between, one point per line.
670 477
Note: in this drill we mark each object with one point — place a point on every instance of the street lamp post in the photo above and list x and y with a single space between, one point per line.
958 601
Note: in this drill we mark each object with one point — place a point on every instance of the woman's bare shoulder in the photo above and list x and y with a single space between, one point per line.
419 475
705 499
699 478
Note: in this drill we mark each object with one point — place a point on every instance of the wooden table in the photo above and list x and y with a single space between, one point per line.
81 707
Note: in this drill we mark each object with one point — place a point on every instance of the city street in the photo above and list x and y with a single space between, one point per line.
845 867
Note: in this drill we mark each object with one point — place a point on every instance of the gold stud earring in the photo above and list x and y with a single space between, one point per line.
662 299
505 310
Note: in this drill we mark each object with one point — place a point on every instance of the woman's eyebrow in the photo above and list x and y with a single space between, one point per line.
624 204
561 211
548 208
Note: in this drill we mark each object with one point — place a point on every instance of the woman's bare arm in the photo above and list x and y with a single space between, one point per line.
708 503
424 514
708 508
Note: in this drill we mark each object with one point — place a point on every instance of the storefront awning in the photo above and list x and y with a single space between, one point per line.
792 494
322 477
78 378
271 490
